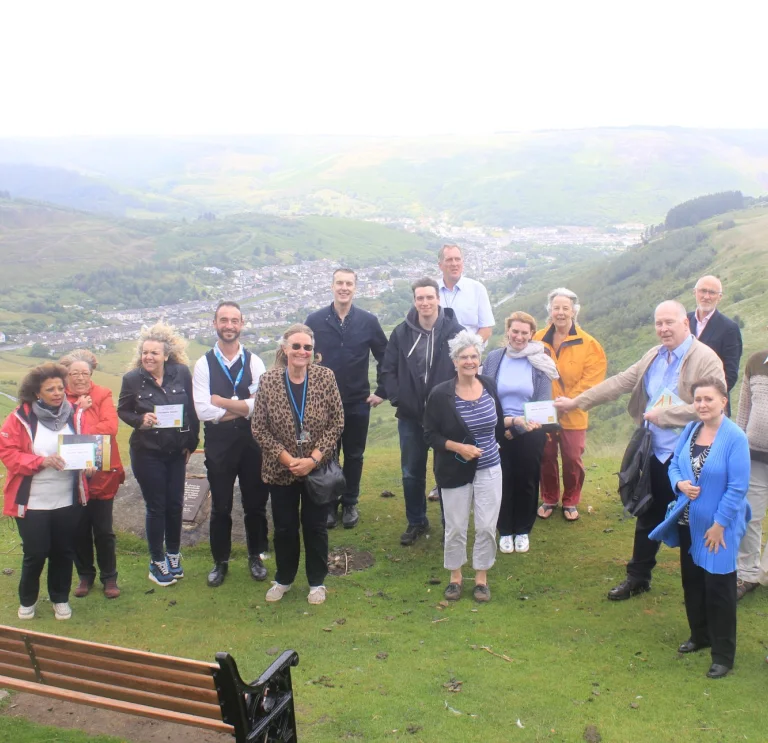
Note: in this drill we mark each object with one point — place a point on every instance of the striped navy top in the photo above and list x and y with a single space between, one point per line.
480 418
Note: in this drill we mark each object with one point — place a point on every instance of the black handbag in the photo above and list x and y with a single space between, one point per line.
326 483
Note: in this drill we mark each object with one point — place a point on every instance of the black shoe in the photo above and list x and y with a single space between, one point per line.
412 533
258 571
716 671
349 517
333 516
217 574
689 646
627 588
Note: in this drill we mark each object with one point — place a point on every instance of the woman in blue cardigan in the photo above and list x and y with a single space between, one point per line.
710 470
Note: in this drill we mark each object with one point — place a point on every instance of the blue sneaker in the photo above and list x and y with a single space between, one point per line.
160 573
174 563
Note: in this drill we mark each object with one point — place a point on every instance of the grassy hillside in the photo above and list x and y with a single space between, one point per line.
590 176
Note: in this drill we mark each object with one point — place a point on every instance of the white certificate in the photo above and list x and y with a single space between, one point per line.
169 416
543 412
77 456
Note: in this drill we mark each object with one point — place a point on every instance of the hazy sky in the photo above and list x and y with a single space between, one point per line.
371 67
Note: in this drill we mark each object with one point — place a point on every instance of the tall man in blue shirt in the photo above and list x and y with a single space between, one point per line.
345 336
667 370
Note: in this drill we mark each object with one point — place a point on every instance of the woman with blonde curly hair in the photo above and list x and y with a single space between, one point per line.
95 528
159 376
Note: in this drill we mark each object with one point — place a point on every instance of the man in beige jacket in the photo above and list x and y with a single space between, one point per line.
667 370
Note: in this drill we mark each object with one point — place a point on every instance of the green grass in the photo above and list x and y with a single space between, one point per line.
576 658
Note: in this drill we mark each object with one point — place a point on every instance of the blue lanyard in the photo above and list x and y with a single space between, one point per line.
220 359
300 414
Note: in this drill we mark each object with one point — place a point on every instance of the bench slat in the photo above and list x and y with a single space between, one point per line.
110 651
115 705
133 696
126 681
26 674
120 666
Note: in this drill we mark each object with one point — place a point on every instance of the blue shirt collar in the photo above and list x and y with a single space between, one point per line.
682 349
457 285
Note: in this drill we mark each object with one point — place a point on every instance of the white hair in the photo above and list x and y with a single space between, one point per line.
561 291
462 341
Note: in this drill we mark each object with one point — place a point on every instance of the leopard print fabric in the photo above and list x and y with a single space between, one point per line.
272 422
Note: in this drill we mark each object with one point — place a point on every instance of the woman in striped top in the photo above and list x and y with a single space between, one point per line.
463 423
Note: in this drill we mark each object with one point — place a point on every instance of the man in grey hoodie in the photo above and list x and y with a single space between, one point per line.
416 360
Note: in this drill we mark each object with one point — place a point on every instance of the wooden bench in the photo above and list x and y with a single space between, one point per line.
204 695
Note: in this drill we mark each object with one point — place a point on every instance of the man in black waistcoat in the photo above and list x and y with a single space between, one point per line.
225 381
345 338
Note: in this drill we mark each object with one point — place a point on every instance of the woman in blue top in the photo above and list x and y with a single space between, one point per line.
523 372
463 423
710 470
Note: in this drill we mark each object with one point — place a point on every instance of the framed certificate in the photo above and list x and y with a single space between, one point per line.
542 412
169 416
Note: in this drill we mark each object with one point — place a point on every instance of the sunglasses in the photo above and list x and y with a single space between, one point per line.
298 347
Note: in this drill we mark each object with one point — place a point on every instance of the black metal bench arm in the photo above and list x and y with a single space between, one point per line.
262 710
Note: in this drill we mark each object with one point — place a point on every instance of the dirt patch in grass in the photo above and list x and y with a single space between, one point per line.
105 722
344 560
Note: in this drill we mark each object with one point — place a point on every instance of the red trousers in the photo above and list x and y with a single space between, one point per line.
571 445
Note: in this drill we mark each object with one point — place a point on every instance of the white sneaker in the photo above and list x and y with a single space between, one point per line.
521 543
316 595
276 592
27 612
62 611
506 545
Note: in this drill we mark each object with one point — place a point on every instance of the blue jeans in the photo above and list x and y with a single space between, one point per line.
413 463
161 479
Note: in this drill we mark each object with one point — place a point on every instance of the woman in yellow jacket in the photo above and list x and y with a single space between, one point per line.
582 364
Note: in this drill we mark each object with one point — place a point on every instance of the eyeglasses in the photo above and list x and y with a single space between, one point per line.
298 347
75 375
709 292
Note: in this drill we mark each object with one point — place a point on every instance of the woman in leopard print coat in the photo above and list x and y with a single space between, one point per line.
297 419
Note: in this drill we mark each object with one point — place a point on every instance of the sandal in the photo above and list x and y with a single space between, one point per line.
452 592
545 510
481 593
569 511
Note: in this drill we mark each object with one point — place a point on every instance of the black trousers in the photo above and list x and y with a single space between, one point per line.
645 550
710 604
241 460
520 473
47 535
95 528
292 508
161 479
352 443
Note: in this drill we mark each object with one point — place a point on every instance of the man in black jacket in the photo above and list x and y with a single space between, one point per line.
417 359
345 336
716 330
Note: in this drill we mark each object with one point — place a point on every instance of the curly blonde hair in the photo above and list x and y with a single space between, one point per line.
174 346
80 354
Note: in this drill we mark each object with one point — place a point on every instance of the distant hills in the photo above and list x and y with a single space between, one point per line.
588 176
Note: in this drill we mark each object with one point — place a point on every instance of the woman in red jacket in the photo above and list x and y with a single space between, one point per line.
43 496
99 417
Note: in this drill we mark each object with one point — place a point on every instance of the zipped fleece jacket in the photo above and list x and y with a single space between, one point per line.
699 361
581 364
17 437
416 360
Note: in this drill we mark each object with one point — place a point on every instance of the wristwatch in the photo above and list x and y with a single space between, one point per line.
316 461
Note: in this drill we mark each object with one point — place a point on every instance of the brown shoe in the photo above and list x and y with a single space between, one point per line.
83 588
743 587
111 591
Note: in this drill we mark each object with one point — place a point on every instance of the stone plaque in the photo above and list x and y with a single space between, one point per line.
195 493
